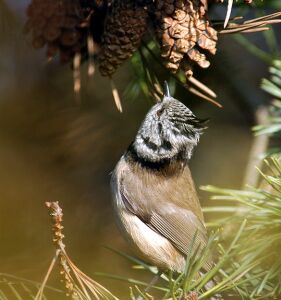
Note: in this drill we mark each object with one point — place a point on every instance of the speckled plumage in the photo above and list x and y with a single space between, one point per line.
169 130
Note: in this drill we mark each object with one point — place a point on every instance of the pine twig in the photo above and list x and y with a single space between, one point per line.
253 25
78 285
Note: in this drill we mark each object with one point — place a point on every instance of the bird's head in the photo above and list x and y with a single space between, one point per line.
169 131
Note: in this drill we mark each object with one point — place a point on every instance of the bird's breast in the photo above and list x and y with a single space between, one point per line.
147 243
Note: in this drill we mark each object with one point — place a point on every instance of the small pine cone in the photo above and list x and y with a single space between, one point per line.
125 24
182 28
62 26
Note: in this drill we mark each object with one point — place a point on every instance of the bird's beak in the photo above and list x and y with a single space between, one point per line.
167 94
166 90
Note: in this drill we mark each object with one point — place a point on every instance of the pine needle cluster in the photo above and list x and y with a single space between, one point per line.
260 206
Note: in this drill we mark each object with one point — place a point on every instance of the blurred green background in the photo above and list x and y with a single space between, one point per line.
52 149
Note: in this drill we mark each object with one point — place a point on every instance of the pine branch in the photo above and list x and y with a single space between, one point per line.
260 240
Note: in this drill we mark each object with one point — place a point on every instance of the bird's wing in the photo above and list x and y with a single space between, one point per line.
180 227
177 224
156 204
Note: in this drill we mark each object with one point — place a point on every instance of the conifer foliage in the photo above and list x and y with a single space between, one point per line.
111 31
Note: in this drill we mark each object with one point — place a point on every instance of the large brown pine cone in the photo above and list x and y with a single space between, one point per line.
125 24
183 29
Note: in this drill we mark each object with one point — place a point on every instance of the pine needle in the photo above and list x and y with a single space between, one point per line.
201 95
253 25
206 94
228 13
39 295
91 52
116 96
202 86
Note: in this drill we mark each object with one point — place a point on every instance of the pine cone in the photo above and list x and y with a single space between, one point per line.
183 28
61 25
125 24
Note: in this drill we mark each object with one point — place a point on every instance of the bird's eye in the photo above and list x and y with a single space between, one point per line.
159 112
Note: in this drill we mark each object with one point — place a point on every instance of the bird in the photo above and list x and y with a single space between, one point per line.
154 197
